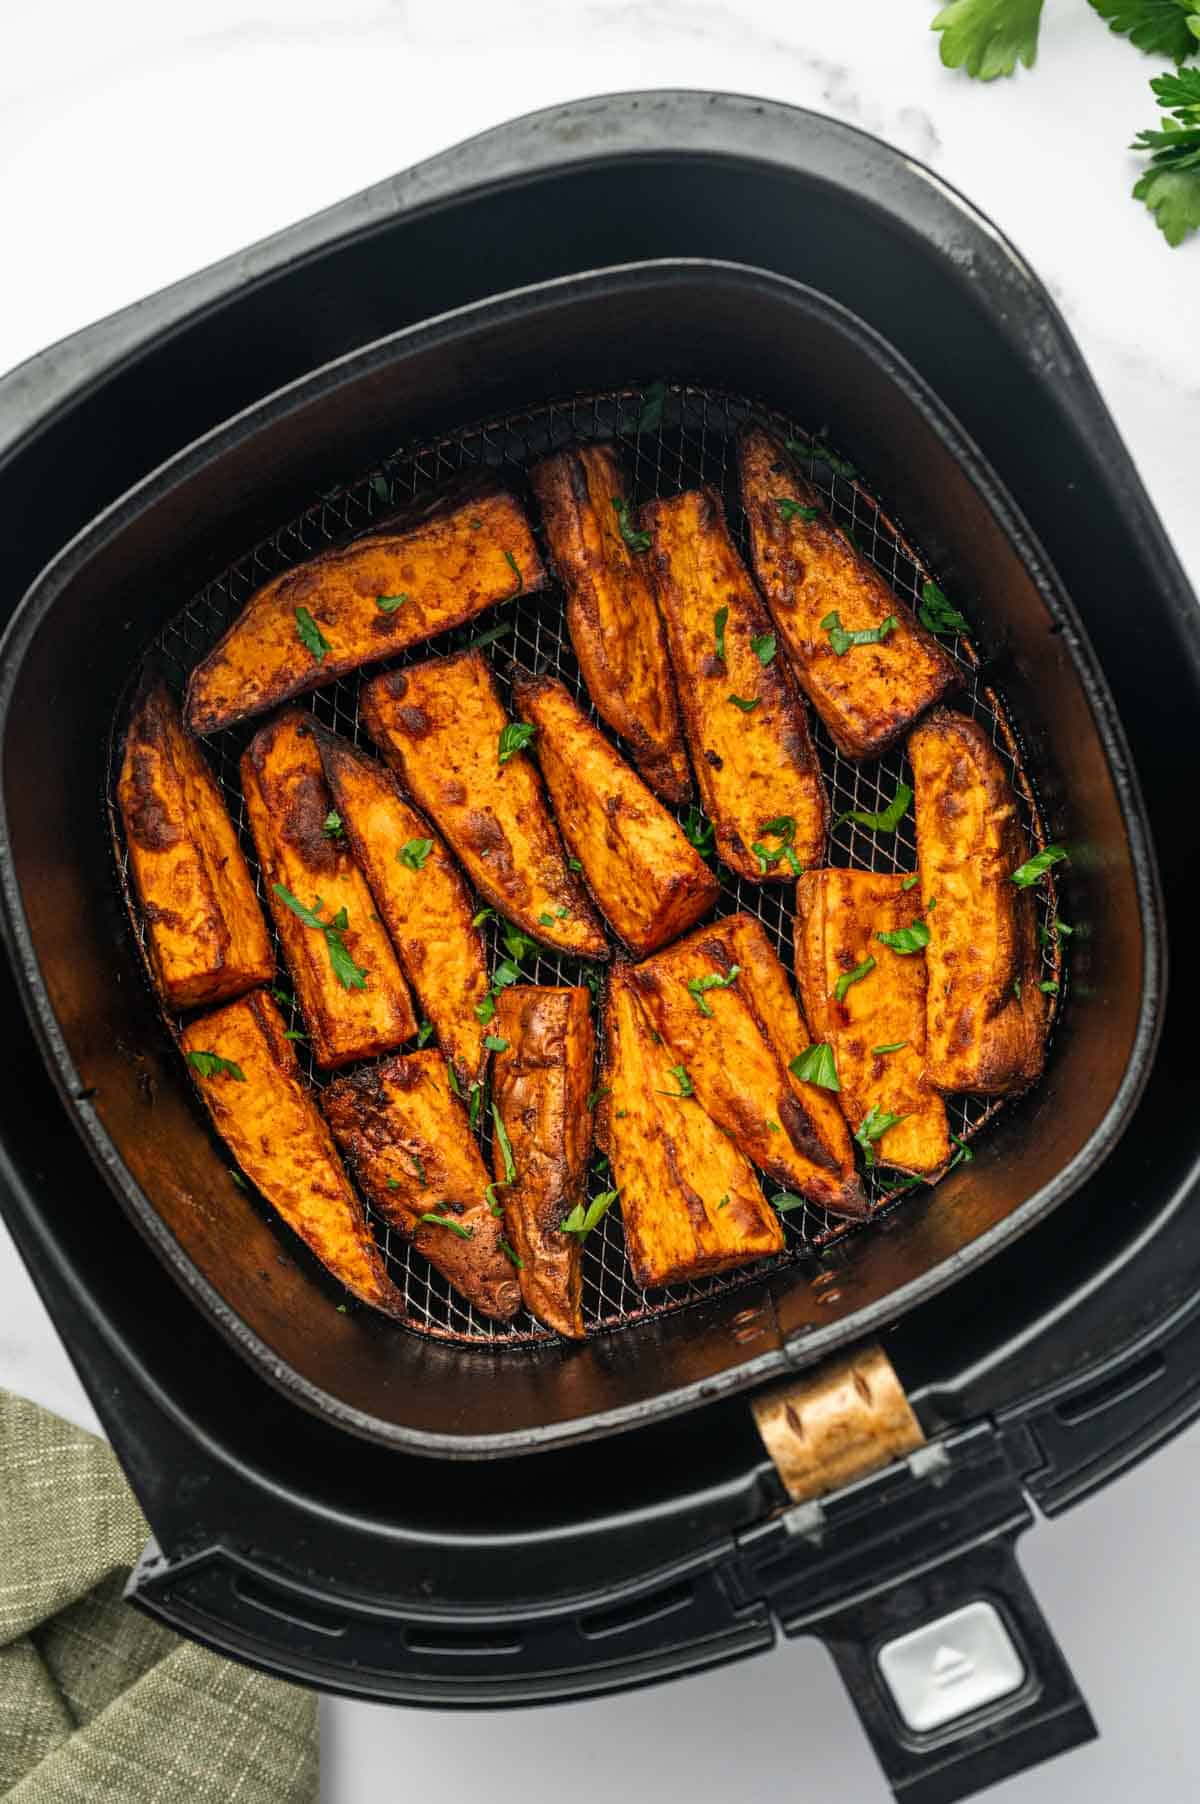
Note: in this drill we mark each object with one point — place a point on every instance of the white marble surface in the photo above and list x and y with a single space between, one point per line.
140 141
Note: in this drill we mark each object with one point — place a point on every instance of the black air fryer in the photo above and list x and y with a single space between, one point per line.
303 1466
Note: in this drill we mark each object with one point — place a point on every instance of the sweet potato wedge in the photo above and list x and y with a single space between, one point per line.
838 917
807 569
447 570
721 1001
267 1117
611 612
407 1141
648 882
423 900
744 719
205 931
438 725
541 1083
690 1201
351 991
985 1016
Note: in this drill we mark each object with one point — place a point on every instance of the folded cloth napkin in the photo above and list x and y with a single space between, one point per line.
99 1705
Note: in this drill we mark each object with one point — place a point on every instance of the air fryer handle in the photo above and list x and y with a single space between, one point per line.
956 1676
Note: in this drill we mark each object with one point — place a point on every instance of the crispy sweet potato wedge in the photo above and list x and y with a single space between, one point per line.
838 915
754 762
722 1003
448 569
690 1201
541 1084
348 1015
611 612
272 1126
650 884
423 900
985 1016
438 725
205 931
408 1144
808 569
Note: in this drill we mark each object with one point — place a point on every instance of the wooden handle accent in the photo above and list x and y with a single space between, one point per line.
841 1421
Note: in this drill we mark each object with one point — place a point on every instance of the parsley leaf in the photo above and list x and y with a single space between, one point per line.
842 641
485 1010
1173 196
582 1220
963 1156
1159 27
649 416
1049 987
593 1097
310 635
873 1126
414 852
988 37
485 914
936 614
293 1033
720 621
447 1221
387 604
493 1201
635 539
514 738
494 1043
763 647
816 1065
332 826
490 636
724 1202
911 882
782 828
211 1064
511 561
848 978
1032 869
698 985
906 939
795 510
841 466
573 864
516 943
679 1073
784 1200
698 832
887 819
424 1033
739 701
505 1145
510 1252
348 974
877 1052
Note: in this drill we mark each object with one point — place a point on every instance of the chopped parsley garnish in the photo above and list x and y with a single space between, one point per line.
293 1033
841 640
424 1033
763 647
387 604
911 882
782 828
485 914
516 943
447 1221
841 466
490 636
455 1087
906 939
1029 872
414 852
485 1010
593 1097
724 1202
237 1177
1049 987
493 1201
936 614
794 510
332 826
1017 988
698 832
583 1219
514 738
348 974
474 1106
511 1253
381 490
816 1065
545 920
877 1052
784 1200
698 985
720 622
494 1043
211 1064
746 705
852 977
772 1127
963 1156
419 1170
873 1126
311 636
573 864
651 412
475 525
1046 938
887 819
511 561
505 1145
679 1073
393 1183
634 537
283 999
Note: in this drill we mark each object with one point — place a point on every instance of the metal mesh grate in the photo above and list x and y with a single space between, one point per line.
692 444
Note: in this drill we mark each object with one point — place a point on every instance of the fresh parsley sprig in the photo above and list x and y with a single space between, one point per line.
697 986
636 539
311 636
348 974
886 820
211 1064
816 1065
873 1126
583 1218
842 641
514 737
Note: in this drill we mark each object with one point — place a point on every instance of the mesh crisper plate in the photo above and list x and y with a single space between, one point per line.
691 444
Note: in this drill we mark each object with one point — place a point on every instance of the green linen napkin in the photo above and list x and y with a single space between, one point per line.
99 1705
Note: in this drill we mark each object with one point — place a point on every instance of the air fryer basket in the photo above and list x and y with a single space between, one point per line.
720 332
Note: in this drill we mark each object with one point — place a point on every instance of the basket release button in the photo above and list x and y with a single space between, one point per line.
952 1666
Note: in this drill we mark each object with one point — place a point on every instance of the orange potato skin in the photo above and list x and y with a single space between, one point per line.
205 931
751 767
838 914
611 612
438 724
540 1085
690 1201
737 1060
450 569
981 1035
274 1130
648 882
287 800
397 1120
808 569
428 912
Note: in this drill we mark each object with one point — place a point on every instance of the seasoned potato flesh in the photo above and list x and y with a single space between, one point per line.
838 917
985 1015
541 1085
418 890
611 612
407 1141
438 725
808 569
754 762
205 931
272 1126
737 1057
288 804
365 601
690 1202
648 882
